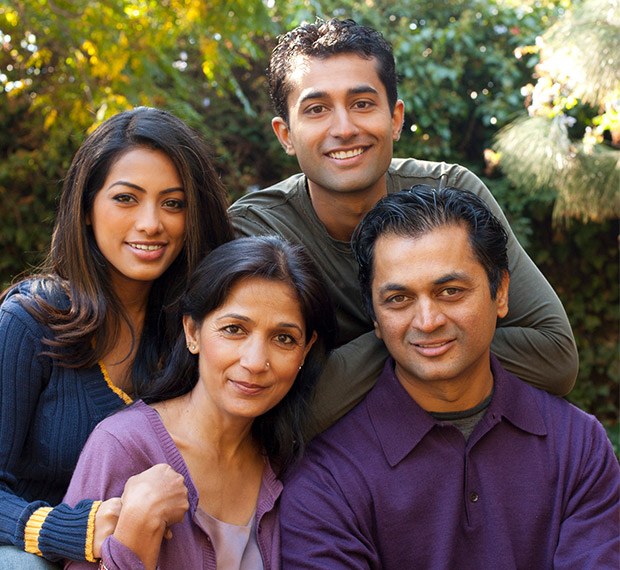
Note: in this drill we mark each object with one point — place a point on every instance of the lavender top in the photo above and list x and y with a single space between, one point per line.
134 440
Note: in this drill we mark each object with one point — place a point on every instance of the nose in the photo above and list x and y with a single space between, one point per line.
342 124
428 316
149 220
255 355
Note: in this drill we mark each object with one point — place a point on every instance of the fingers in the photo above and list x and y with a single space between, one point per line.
106 520
159 491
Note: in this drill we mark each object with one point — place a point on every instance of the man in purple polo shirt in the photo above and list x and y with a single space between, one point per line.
450 461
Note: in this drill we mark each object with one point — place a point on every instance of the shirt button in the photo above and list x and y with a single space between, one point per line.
473 497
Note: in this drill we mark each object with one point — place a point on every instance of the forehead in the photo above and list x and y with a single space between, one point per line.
425 259
258 295
341 72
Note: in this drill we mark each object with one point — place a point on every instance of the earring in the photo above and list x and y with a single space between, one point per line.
191 347
267 364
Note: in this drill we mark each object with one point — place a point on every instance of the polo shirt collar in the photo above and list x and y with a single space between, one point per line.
401 424
514 401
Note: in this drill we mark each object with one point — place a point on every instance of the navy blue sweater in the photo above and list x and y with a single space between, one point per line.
46 414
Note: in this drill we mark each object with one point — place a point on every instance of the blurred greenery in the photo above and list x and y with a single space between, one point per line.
66 65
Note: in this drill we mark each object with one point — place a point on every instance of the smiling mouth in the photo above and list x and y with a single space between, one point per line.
146 247
247 388
344 154
431 344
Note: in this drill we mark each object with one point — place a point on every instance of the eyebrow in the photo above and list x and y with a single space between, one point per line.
447 278
140 189
245 319
359 90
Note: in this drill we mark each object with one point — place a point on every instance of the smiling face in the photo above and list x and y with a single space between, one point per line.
340 126
250 348
435 313
138 217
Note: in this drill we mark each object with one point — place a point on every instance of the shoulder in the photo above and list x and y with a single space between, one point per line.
565 425
26 293
564 417
21 304
270 197
342 449
134 421
283 209
405 172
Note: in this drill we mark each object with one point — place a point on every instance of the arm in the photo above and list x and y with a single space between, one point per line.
319 526
31 525
153 497
589 533
534 341
351 371
152 501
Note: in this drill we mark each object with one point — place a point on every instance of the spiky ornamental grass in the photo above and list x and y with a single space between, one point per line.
579 61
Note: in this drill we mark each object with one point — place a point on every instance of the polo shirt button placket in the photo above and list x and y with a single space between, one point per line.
473 497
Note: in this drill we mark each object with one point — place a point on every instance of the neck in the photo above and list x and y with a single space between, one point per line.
453 395
341 212
191 420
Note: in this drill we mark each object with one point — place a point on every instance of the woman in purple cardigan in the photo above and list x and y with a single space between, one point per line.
222 421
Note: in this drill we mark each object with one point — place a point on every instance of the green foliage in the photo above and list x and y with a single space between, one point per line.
581 262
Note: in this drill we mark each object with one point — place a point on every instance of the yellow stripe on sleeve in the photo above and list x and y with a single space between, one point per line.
33 530
90 532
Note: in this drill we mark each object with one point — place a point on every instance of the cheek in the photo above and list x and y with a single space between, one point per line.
390 328
176 226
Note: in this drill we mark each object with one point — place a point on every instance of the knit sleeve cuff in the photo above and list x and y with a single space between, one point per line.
62 531
116 556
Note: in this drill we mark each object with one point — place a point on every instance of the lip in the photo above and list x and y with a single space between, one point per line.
433 349
147 251
247 388
346 155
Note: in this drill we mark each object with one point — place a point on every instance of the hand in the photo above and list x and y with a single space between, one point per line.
152 501
159 493
105 523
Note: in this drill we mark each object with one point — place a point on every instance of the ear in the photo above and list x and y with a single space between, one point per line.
377 330
398 118
501 298
309 345
281 129
192 333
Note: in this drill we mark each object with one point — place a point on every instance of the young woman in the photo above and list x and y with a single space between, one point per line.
227 414
141 206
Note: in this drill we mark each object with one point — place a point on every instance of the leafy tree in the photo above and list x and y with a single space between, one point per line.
570 139
66 65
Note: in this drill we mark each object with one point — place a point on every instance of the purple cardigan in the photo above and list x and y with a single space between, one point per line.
134 440
537 485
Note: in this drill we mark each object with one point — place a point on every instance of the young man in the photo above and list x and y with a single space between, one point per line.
450 461
333 85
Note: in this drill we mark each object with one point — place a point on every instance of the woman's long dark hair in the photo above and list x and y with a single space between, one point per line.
85 326
279 431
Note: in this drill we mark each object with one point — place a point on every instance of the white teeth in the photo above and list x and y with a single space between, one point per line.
433 345
342 154
146 247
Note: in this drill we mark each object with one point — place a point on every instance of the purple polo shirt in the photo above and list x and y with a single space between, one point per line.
537 485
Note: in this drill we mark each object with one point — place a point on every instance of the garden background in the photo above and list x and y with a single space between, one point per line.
526 94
